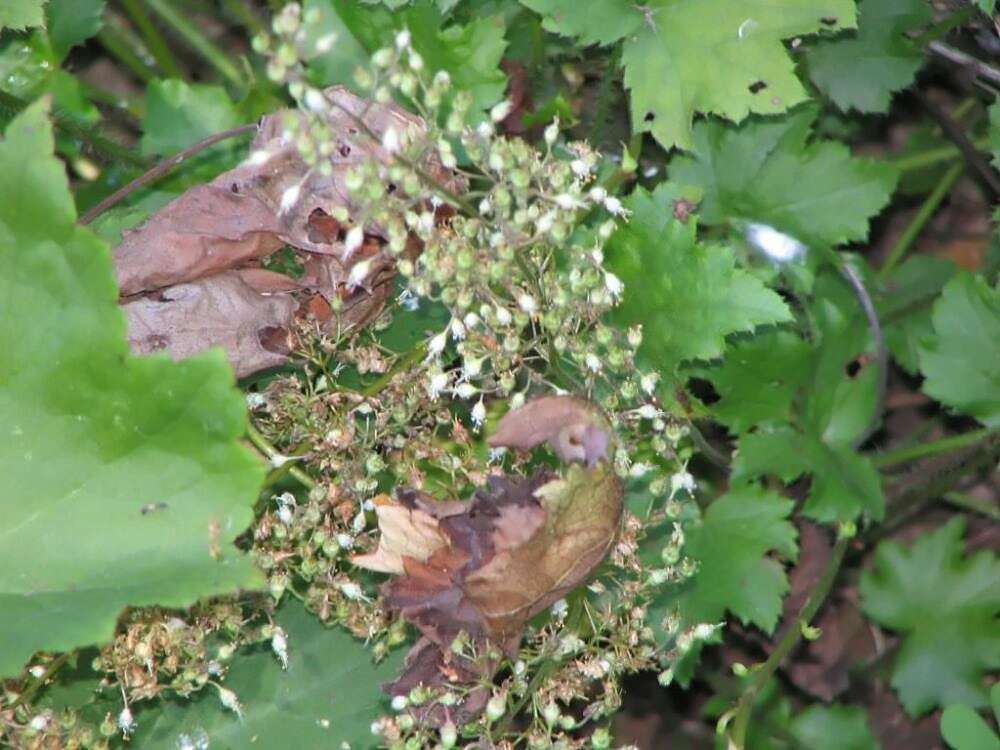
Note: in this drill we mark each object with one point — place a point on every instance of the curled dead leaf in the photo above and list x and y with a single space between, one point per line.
486 567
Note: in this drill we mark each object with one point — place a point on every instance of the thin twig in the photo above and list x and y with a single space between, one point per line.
953 130
763 673
162 169
923 215
51 668
944 445
958 57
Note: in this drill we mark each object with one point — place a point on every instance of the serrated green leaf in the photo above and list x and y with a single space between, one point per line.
720 57
93 435
20 14
179 114
833 727
844 483
604 22
330 694
961 362
767 171
905 308
860 70
945 606
688 296
347 53
470 53
758 378
964 729
71 22
735 572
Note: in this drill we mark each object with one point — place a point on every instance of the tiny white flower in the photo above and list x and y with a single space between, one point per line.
259 157
437 344
472 367
606 229
325 43
354 238
416 61
567 202
39 722
279 645
457 330
485 206
345 541
471 320
501 110
504 317
352 591
403 39
230 700
126 722
545 222
648 411
580 168
638 469
705 630
559 608
408 300
400 702
442 79
552 132
256 401
613 205
597 255
484 129
465 390
648 382
478 414
516 401
496 454
359 272
285 514
390 140
593 362
527 303
289 198
315 100
614 285
37 671
598 194
359 522
682 480
438 382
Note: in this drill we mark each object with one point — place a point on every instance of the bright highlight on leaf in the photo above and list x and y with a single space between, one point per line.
94 436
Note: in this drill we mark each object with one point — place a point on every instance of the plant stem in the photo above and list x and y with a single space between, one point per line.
122 47
973 504
744 707
154 40
159 170
198 42
270 453
958 57
923 450
927 209
109 149
53 666
126 104
924 159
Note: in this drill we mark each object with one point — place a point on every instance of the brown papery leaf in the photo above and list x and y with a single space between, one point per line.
224 310
487 567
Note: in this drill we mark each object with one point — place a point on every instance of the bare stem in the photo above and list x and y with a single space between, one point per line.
262 444
923 450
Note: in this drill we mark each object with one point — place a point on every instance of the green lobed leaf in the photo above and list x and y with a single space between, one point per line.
758 378
844 483
179 114
861 69
721 57
964 729
72 21
687 296
767 171
736 572
330 694
19 14
905 307
834 727
961 361
94 435
945 606
604 22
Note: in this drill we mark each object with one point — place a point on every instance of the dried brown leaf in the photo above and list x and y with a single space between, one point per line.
223 310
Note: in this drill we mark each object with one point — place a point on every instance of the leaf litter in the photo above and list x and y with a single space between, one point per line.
191 277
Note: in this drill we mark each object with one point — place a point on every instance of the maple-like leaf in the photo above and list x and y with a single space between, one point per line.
681 57
945 605
961 361
861 69
769 171
687 296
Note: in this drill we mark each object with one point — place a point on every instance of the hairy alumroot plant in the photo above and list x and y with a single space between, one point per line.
508 238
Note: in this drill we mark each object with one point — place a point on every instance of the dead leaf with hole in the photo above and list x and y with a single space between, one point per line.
485 568
243 216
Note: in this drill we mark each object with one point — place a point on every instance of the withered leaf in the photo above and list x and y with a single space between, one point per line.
224 310
521 544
